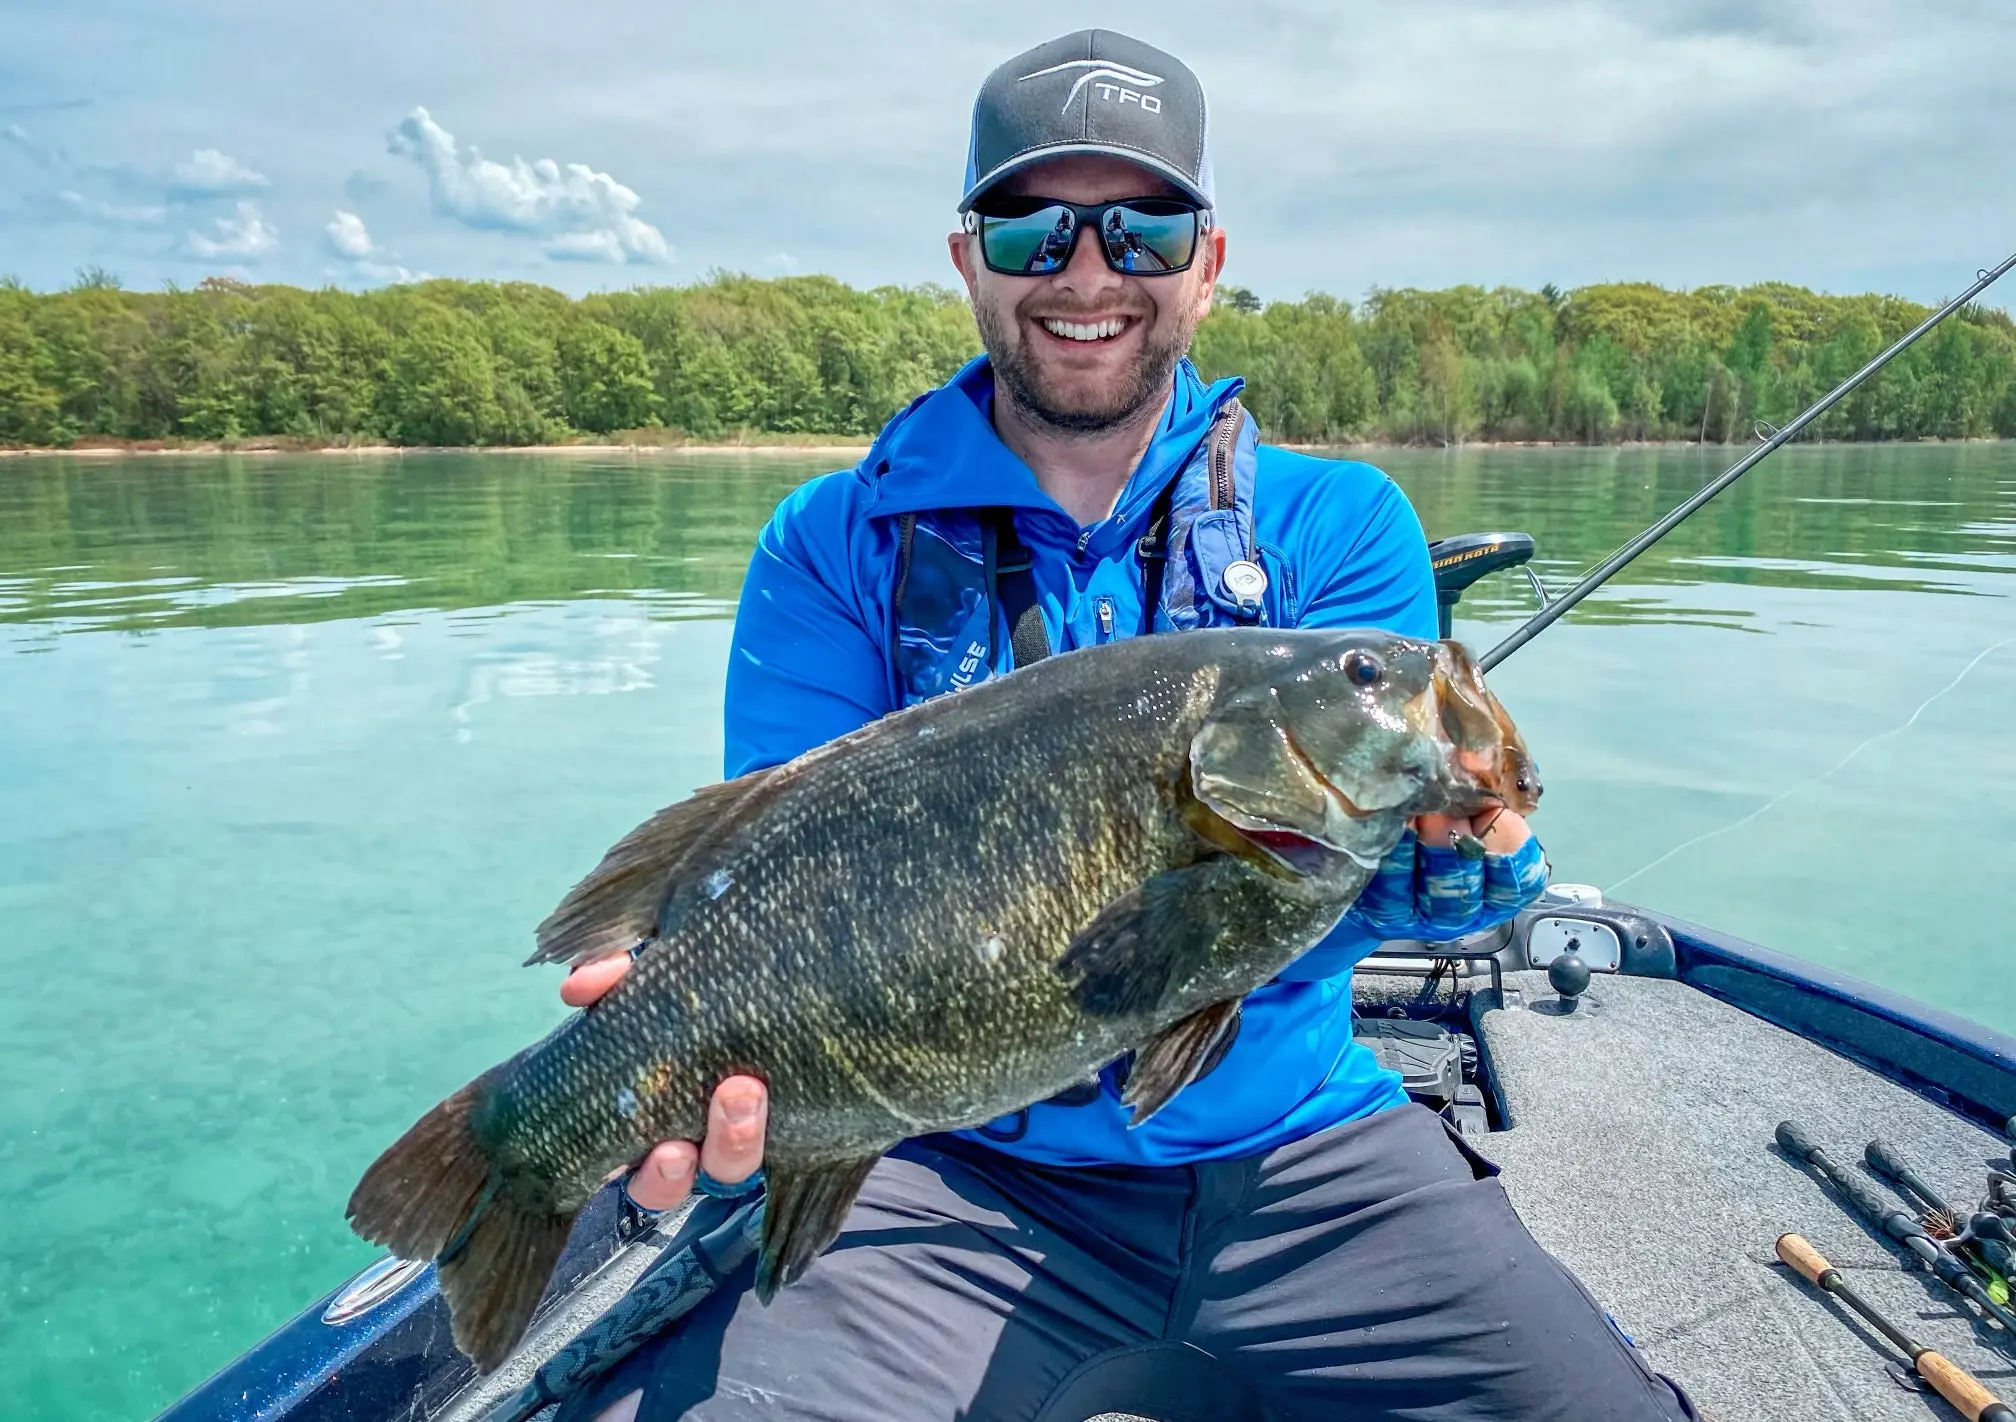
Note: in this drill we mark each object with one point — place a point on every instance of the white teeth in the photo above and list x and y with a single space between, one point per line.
1082 331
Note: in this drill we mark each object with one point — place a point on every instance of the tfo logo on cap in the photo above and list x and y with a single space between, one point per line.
1111 81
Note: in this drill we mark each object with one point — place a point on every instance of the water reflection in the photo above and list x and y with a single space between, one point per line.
98 544
95 544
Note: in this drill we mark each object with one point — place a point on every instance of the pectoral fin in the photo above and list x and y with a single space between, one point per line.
616 906
1178 1055
803 1210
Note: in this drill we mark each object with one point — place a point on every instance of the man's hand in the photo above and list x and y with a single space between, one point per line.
1501 831
733 1148
1436 886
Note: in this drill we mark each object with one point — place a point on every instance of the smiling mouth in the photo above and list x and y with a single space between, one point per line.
1088 331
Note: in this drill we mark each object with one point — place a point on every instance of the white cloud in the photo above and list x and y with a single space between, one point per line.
248 236
1688 141
585 216
388 273
349 237
139 215
367 260
16 132
209 173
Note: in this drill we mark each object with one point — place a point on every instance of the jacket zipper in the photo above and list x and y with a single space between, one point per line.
1224 493
1105 619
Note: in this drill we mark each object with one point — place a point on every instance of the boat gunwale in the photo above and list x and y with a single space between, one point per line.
1939 1054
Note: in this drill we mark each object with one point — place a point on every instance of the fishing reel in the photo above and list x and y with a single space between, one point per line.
1983 1239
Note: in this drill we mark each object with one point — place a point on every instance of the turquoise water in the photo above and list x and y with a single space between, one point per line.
294 752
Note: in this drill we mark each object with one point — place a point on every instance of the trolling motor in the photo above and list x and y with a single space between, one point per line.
1462 559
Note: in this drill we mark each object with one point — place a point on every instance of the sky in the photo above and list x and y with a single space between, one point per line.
1848 145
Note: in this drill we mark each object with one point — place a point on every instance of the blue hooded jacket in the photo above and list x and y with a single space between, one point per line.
810 661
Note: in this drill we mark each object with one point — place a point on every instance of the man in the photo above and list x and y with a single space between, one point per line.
1288 1237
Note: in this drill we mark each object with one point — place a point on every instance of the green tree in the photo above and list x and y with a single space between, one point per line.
457 362
605 379
30 404
442 386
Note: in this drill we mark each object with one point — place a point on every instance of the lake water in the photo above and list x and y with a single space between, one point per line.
295 751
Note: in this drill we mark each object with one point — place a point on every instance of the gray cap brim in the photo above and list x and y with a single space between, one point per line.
1183 182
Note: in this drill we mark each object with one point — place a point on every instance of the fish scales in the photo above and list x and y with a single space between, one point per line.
884 930
1046 833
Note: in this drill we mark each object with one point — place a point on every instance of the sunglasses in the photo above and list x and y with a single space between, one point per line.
1033 236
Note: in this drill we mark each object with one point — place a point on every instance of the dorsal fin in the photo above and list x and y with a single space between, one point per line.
616 906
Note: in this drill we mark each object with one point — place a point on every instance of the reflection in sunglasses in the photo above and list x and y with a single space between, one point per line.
1138 237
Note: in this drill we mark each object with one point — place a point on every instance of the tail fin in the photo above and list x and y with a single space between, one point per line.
433 1195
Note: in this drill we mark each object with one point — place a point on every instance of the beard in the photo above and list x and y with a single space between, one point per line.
1068 407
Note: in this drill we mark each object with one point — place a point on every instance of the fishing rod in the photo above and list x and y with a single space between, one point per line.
1616 562
1983 1232
710 1246
1895 1223
1953 1382
1887 1161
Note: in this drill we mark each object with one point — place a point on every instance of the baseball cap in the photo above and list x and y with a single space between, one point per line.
1095 91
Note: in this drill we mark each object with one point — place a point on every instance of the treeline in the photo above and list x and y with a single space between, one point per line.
468 363
472 363
1628 361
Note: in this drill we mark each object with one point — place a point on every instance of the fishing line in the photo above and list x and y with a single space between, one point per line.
1782 796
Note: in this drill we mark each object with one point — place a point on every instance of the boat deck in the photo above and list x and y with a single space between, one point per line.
1640 1151
1637 1144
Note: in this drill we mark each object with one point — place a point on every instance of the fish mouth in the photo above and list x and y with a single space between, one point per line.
1484 748
1298 854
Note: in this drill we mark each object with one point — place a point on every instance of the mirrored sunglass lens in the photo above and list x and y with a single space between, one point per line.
1039 241
1146 241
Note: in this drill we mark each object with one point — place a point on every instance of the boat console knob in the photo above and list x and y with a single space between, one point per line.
1569 976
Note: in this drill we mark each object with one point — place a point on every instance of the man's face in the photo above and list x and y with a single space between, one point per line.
1072 384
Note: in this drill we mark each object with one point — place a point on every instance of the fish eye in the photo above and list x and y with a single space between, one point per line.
1362 667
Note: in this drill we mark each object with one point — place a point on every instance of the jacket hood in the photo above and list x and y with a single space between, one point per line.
942 452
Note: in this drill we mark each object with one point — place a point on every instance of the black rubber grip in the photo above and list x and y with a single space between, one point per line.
1794 1140
1997 1412
1878 1211
1884 1160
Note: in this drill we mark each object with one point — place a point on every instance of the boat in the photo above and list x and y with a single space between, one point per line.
1627 1071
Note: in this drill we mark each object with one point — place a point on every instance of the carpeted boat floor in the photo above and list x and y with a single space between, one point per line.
1640 1151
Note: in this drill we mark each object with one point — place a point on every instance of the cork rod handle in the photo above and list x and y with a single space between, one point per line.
1962 1389
1810 1262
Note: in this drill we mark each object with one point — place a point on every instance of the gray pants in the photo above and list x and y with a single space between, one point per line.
1374 1270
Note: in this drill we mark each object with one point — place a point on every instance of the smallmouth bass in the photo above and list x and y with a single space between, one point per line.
959 910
